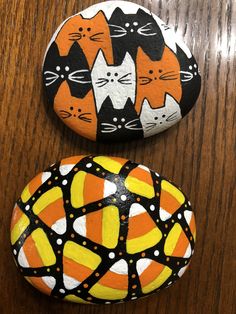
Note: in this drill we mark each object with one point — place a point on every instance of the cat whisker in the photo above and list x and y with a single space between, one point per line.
146 34
151 123
169 77
117 29
97 37
172 117
85 119
102 83
185 76
79 79
145 80
145 30
109 128
52 78
65 114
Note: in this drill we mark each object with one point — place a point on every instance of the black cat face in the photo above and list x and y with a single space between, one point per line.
128 31
116 124
73 68
190 81
188 66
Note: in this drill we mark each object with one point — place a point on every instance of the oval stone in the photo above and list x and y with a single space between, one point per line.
95 229
116 72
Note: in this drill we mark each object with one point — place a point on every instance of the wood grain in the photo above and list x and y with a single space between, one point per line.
198 154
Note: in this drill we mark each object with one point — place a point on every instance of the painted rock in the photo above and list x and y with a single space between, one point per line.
94 229
116 72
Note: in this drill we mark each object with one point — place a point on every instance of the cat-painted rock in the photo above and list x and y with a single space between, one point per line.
116 72
95 229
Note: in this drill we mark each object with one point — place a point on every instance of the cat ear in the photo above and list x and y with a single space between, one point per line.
145 106
100 59
63 94
142 13
129 104
117 12
142 56
99 16
170 101
127 59
107 105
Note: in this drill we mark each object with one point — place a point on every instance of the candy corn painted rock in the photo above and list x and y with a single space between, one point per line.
95 229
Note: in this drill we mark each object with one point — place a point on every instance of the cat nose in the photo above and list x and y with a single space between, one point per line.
132 30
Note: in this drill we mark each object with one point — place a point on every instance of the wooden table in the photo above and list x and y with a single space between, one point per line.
198 154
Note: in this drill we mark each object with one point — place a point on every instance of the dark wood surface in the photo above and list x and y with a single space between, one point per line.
198 154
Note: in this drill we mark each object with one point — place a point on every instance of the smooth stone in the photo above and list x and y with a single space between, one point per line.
95 229
116 72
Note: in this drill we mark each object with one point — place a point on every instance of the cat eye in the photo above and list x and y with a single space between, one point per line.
127 24
163 116
135 23
156 118
151 71
79 110
89 29
116 74
80 29
160 71
71 108
109 74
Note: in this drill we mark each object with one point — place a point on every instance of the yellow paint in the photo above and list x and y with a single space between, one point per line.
107 293
160 279
19 228
139 187
172 239
25 196
108 164
81 255
110 226
177 194
43 246
142 243
46 199
73 298
77 189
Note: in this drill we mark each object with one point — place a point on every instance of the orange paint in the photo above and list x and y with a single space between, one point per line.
142 175
94 226
181 245
91 34
156 78
75 270
150 273
115 281
168 202
39 284
81 112
140 225
52 212
17 214
31 253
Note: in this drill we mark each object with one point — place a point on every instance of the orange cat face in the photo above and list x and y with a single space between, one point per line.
78 114
91 34
156 78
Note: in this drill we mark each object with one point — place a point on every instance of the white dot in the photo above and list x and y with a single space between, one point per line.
189 203
62 290
119 126
133 298
123 197
157 174
179 216
27 207
89 165
156 253
152 207
195 66
135 23
58 68
127 24
195 73
67 68
111 255
107 302
64 182
115 119
190 67
123 120
59 241
131 30
170 283
14 252
62 76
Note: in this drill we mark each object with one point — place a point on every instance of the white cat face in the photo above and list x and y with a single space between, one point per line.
157 120
117 82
